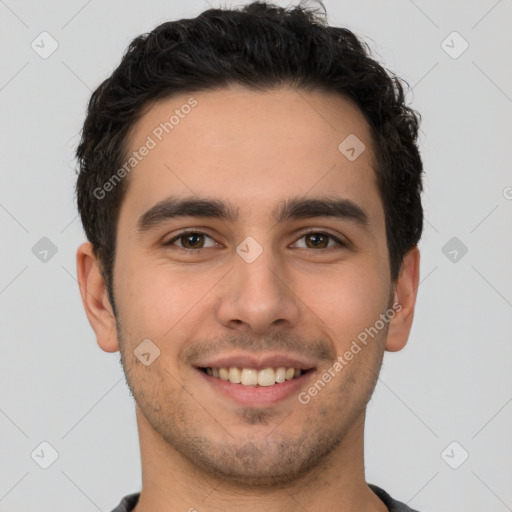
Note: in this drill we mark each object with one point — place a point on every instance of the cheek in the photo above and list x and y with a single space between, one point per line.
348 301
159 300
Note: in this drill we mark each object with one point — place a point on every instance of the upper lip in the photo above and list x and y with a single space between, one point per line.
272 360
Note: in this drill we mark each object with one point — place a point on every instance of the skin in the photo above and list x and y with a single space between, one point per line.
200 450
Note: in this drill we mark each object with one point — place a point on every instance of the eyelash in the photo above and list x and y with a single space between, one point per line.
193 232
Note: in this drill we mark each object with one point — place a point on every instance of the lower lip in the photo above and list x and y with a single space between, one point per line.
257 395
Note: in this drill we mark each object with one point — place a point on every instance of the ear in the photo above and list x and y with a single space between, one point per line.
95 298
406 289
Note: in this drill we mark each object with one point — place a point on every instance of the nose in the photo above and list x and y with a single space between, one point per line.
258 296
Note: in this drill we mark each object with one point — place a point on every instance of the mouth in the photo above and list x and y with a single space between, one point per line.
255 386
255 377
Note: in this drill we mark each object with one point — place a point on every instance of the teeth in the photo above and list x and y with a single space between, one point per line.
249 377
280 374
252 377
235 375
267 377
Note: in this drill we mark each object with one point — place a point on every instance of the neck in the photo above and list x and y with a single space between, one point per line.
171 483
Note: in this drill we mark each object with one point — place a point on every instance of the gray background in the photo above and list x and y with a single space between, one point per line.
451 382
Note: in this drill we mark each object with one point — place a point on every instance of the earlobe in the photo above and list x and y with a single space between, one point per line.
405 296
95 298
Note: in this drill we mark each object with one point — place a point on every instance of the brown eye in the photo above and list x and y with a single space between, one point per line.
315 240
191 240
319 240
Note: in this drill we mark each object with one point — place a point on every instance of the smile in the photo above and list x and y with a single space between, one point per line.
253 387
254 377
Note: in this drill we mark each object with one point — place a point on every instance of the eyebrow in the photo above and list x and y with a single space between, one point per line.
289 209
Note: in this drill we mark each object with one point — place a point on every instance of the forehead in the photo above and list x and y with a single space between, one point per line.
252 149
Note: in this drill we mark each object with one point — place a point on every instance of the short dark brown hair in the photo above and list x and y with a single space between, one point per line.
260 46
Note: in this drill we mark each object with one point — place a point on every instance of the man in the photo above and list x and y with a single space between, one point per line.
250 188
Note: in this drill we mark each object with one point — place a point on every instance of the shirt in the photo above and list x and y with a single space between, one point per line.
128 502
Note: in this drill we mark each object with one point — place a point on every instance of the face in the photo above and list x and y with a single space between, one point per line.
283 263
